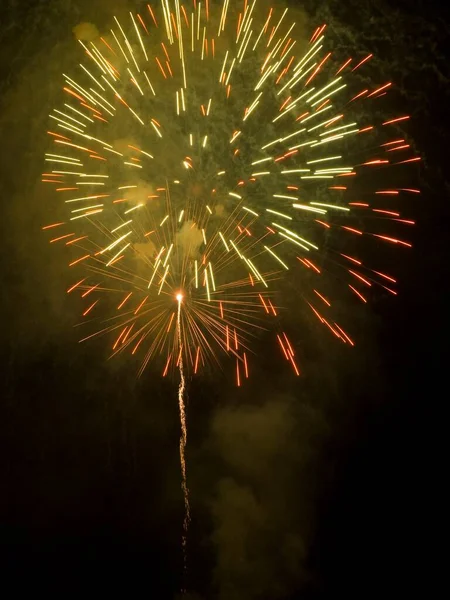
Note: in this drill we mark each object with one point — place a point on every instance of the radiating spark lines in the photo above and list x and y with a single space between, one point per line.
171 180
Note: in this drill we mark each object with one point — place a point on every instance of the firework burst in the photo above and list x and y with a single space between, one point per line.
202 153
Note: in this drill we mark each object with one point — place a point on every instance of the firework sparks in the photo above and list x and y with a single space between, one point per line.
206 149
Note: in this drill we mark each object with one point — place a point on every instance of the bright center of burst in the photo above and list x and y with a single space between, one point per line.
179 297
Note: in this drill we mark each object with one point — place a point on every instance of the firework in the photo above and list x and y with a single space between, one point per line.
206 151
200 154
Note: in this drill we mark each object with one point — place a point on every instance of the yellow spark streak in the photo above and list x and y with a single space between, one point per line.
155 128
94 175
212 276
163 279
250 211
93 212
316 113
265 76
236 248
113 151
223 17
89 53
328 139
149 83
281 41
167 255
198 20
330 206
244 43
139 36
127 44
338 128
158 262
118 43
103 61
224 242
135 81
105 101
87 208
285 197
133 208
68 173
277 257
117 254
229 72
66 162
323 89
310 208
293 234
293 241
276 28
123 225
322 125
111 246
329 94
92 77
235 135
255 270
333 171
80 89
69 117
310 162
257 162
223 66
252 107
86 197
207 286
279 214
203 43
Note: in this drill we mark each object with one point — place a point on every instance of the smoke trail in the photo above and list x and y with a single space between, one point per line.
183 437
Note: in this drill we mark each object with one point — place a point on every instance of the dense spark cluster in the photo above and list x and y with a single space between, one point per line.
200 153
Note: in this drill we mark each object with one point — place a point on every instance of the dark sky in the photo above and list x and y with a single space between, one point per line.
310 488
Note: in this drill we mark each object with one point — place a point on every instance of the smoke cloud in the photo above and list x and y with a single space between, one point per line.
262 507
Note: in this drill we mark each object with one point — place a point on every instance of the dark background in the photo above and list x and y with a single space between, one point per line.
312 488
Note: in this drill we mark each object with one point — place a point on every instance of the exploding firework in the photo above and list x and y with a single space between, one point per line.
204 152
201 154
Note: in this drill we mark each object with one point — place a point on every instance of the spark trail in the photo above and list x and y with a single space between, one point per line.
183 437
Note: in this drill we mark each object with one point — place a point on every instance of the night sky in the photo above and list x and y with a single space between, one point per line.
300 488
